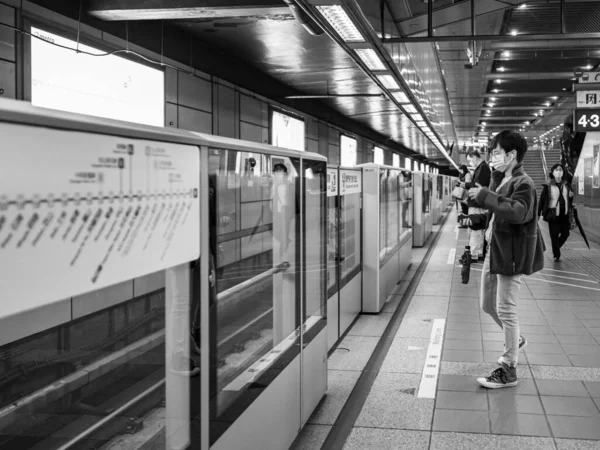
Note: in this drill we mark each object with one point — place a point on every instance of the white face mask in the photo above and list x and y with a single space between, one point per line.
498 163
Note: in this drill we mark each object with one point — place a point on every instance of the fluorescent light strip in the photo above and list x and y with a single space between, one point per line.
401 97
370 58
341 23
388 81
409 108
417 117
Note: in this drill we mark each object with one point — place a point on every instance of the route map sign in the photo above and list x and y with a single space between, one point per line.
82 211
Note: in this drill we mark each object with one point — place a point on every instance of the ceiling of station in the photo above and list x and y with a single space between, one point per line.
312 65
525 84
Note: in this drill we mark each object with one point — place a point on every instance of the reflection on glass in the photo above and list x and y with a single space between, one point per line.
254 306
393 217
395 211
350 239
427 192
111 369
314 242
332 245
405 186
383 185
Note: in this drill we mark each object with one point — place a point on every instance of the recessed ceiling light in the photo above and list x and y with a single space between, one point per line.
588 67
547 104
506 53
493 99
497 80
522 6
495 90
501 69
554 98
514 32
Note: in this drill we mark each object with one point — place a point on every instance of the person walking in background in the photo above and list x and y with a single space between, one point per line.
481 176
515 247
556 201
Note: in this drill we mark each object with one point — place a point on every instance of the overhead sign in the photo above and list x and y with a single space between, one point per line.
589 77
586 120
588 99
332 182
80 211
350 182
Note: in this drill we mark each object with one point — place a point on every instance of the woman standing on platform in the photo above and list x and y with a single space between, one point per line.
556 201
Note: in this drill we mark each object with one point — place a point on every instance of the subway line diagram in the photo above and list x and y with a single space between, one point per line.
80 211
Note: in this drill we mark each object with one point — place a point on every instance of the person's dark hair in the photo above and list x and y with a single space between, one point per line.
474 152
463 170
508 141
551 173
279 168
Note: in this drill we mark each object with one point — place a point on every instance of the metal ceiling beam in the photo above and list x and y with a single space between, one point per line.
523 94
500 118
528 75
586 40
453 13
575 43
184 9
519 108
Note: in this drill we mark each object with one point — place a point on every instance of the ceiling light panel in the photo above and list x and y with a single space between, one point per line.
410 109
401 97
388 81
370 58
341 23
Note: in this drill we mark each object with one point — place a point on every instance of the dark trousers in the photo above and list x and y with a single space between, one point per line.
559 233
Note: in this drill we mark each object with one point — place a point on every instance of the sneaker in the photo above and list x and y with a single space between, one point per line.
183 366
522 345
503 376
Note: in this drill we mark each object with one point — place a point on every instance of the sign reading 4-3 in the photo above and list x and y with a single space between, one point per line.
586 120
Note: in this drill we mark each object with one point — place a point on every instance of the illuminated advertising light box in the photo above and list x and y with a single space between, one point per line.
105 86
287 132
348 151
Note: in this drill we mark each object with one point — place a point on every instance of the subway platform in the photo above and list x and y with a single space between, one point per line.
377 398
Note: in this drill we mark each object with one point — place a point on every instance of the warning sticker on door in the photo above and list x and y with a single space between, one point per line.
80 211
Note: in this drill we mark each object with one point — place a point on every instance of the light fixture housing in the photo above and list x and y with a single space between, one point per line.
370 58
388 81
339 20
401 97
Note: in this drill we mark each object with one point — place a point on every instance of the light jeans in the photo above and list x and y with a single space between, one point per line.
499 300
476 237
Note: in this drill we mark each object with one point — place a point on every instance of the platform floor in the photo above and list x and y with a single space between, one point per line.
555 406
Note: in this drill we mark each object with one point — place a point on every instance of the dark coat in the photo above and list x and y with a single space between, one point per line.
517 246
545 198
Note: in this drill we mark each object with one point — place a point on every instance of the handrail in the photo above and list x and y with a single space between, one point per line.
544 163
252 281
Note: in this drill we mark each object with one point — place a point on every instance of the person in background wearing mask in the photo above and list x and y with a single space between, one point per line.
476 222
555 204
515 247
